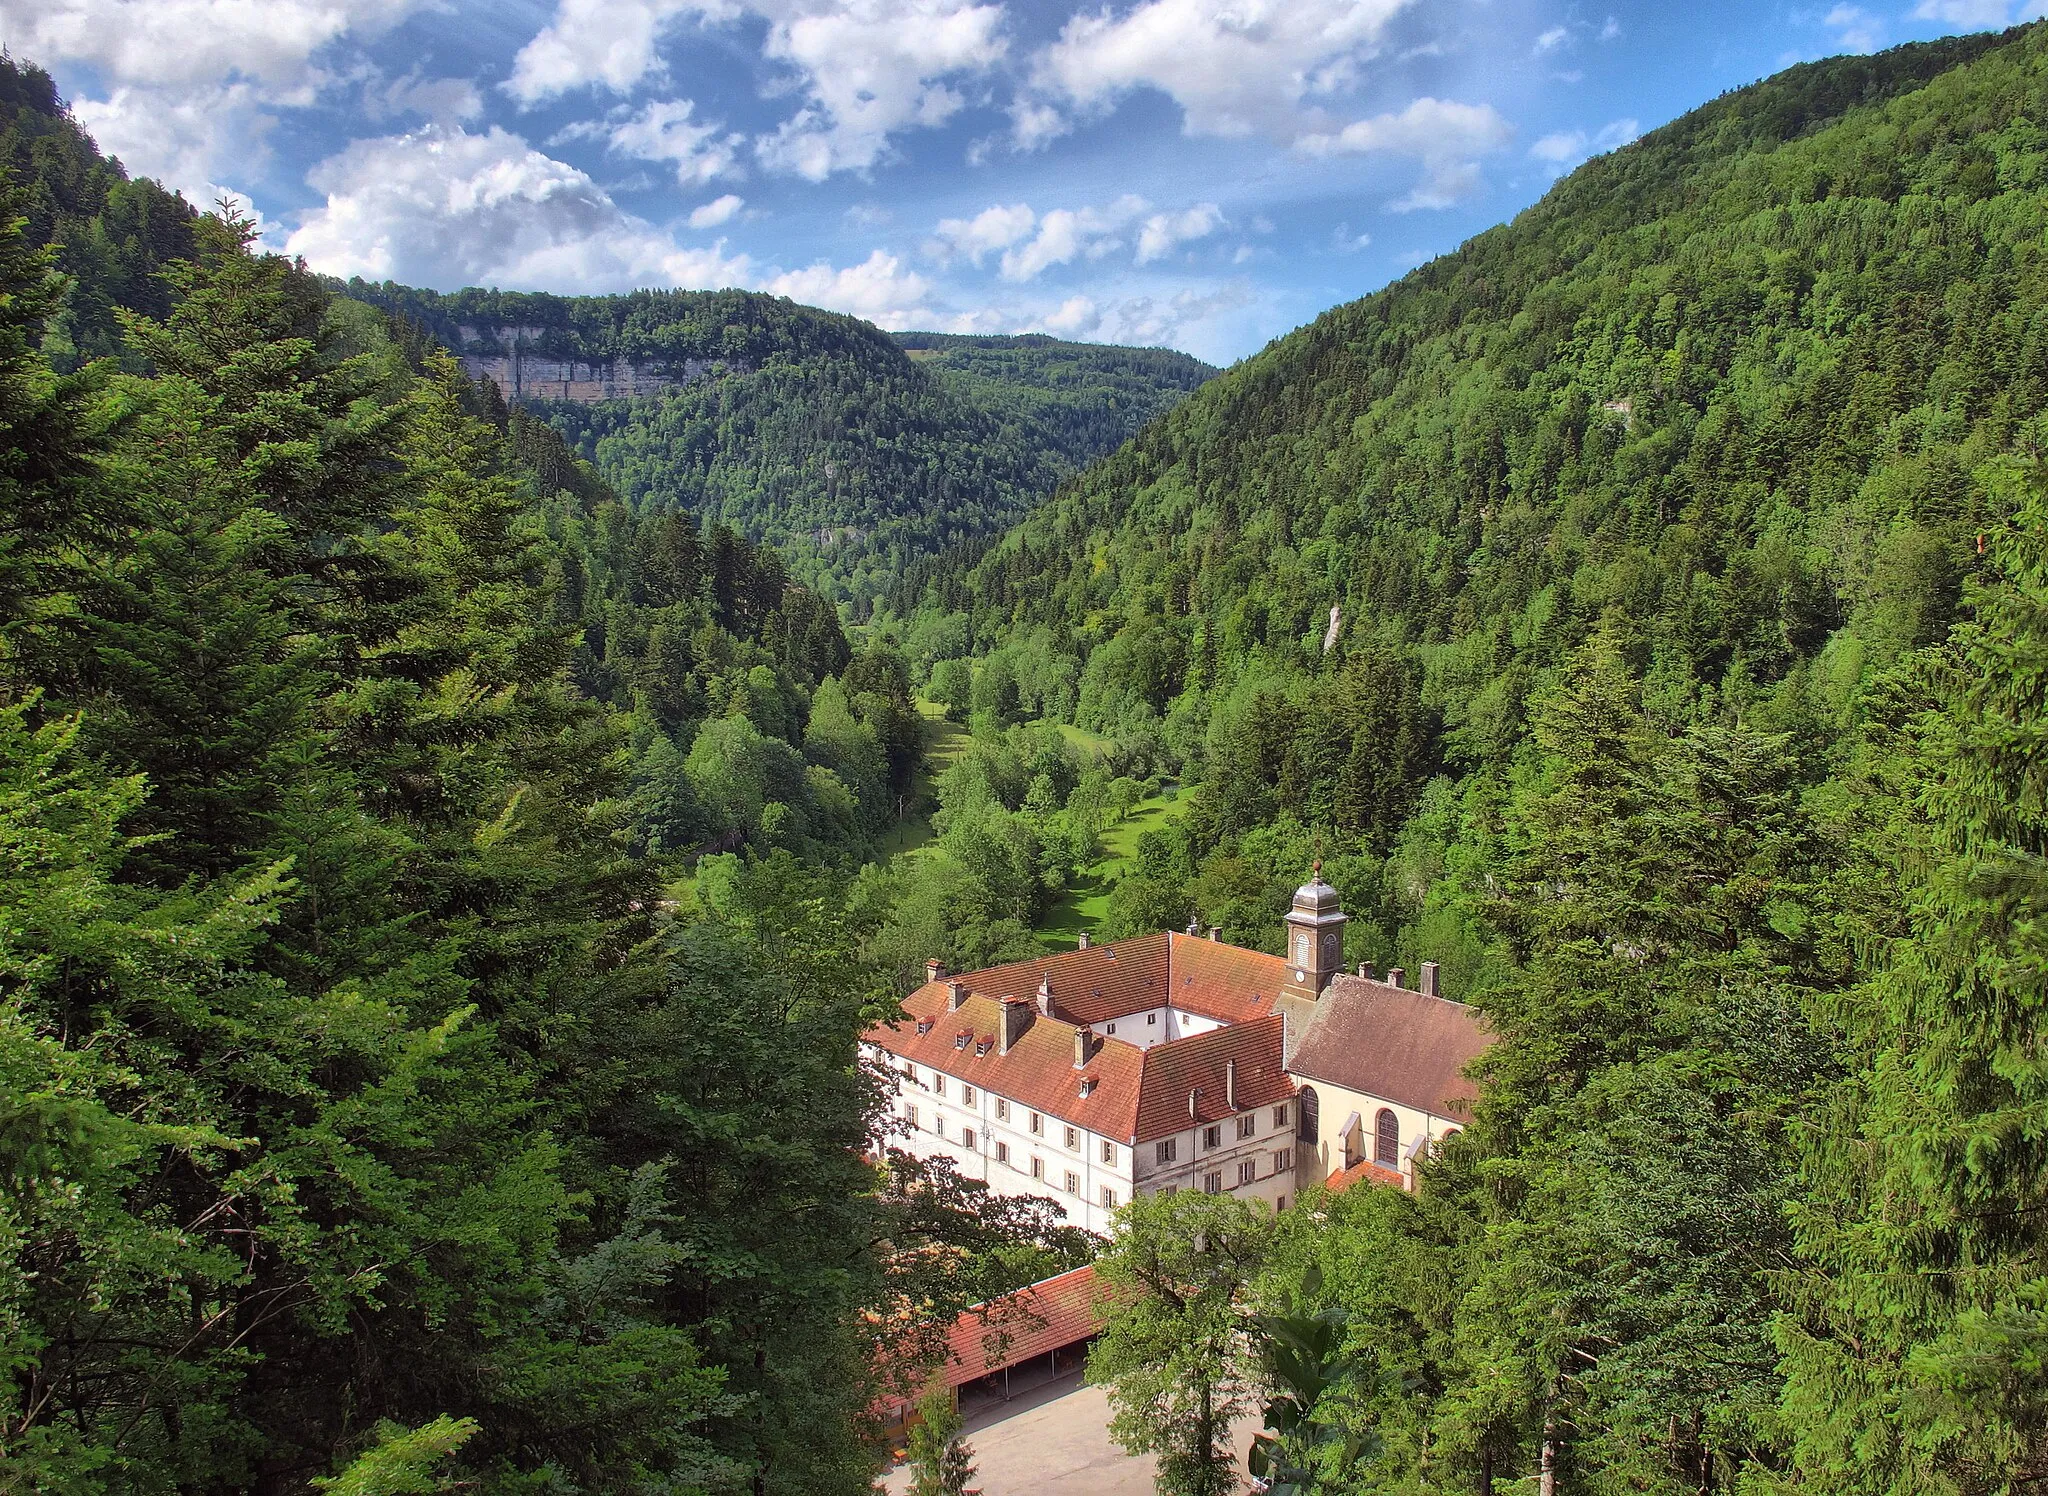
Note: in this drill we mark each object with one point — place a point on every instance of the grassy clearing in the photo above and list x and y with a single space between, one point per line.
1085 903
943 742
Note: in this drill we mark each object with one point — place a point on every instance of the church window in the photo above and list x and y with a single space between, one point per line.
1386 1146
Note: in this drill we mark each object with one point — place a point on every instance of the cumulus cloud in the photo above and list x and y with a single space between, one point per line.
667 130
1163 232
718 210
865 69
1974 14
1445 136
1551 40
1561 150
445 206
442 100
1067 234
990 231
878 289
1233 69
193 83
1856 29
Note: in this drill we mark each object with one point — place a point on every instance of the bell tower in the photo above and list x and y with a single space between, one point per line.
1315 938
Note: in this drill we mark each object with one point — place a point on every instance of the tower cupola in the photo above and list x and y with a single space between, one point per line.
1315 936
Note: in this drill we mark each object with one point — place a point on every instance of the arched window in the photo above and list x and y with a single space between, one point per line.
1386 1143
1307 1115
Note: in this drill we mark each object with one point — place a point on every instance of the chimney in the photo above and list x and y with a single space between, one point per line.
934 969
1230 1084
956 995
1084 1048
1045 995
1429 979
1216 932
1016 1019
1082 943
1365 970
1394 975
1194 926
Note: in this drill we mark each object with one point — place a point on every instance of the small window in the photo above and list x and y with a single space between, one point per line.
1163 1151
1247 1170
1038 1168
1152 1018
1002 1110
1281 1203
966 1137
1170 1189
1002 1153
1283 1160
1073 1183
938 1084
1212 1137
1111 1028
938 1125
1108 1151
1037 1125
910 1115
1386 1143
1247 1125
967 1095
1279 1116
1212 1184
1108 1198
1073 1138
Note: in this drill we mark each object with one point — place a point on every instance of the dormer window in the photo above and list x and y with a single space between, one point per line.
924 1025
983 1046
960 1040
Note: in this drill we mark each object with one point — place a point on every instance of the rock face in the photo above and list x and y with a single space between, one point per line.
509 360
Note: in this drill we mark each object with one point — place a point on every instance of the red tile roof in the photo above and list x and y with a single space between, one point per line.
1394 1043
1365 1171
1138 1095
1027 1323
1208 977
1189 1080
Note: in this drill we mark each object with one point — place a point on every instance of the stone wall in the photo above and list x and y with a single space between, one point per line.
523 375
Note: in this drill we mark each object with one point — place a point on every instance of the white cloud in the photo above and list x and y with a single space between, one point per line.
664 130
1561 150
1066 234
446 207
867 69
1164 231
442 100
878 289
1345 242
1445 136
191 83
993 229
1551 40
1611 30
1977 15
1856 29
719 210
1233 68
608 42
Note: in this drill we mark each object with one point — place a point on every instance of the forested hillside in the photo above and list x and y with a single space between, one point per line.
1683 699
368 1110
814 432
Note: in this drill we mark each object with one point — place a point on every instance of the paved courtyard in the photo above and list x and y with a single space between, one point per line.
1054 1441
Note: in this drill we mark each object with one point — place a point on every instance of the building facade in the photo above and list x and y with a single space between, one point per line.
1172 1062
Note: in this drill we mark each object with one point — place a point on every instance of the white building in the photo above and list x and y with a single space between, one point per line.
1172 1062
1088 1076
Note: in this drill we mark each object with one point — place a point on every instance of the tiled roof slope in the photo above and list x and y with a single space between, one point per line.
1365 1171
1173 1071
1038 1072
1393 1043
1139 1094
1225 982
1027 1323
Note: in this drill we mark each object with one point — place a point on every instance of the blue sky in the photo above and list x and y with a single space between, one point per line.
1204 174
